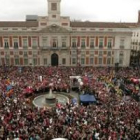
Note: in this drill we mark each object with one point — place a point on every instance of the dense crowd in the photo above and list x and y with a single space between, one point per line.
116 116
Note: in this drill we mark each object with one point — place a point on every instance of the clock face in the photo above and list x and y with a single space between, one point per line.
54 6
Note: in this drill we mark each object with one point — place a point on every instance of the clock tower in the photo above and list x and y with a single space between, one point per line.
54 10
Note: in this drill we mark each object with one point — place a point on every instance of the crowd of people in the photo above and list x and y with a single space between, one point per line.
117 117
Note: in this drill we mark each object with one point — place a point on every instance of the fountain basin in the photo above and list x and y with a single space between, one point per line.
41 101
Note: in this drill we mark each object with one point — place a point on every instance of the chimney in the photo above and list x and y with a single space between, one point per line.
139 16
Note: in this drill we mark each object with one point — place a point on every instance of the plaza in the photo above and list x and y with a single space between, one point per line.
73 80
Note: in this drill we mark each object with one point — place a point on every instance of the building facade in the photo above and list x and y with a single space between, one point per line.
135 44
56 40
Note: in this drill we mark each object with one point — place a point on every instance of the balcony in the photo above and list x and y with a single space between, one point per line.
83 46
91 46
16 47
63 48
25 47
53 48
6 47
74 46
34 47
109 46
100 46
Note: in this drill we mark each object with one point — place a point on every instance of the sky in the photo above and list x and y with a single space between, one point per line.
85 10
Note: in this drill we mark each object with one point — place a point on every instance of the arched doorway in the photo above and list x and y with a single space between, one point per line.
54 59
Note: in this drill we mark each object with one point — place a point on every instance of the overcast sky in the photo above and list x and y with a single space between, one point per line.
93 10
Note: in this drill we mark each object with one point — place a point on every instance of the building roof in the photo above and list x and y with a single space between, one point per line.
131 24
80 24
101 24
18 23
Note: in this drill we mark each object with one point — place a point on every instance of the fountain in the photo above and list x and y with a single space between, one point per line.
50 100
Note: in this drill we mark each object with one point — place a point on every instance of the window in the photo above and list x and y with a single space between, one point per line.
91 60
25 61
44 42
121 54
63 61
121 57
25 42
54 43
53 6
74 43
25 54
108 61
109 53
91 53
82 60
16 54
34 54
7 54
16 61
100 61
45 61
83 43
91 43
15 43
122 40
74 53
121 61
63 43
83 53
34 61
100 53
34 42
109 43
101 43
6 43
73 60
7 61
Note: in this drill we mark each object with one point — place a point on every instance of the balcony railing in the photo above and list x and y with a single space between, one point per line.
74 46
83 46
6 47
100 46
16 47
53 48
25 47
109 46
92 46
34 47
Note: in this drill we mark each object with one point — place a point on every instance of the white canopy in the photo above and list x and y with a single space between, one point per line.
76 77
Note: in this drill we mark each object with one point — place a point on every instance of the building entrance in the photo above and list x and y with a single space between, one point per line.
54 59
